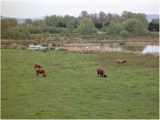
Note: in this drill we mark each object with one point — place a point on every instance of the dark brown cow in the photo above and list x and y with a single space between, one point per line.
41 72
101 72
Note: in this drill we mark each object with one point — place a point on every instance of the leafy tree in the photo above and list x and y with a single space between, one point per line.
124 33
16 33
84 14
86 26
154 25
95 18
114 28
115 18
70 21
102 18
8 23
127 24
128 15
135 26
57 23
53 21
38 23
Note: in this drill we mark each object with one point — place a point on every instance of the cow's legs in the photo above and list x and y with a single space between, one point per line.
44 75
37 73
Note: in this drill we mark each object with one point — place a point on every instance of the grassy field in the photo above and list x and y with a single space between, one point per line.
72 88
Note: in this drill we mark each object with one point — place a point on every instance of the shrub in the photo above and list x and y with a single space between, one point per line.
135 26
14 33
86 26
124 33
114 28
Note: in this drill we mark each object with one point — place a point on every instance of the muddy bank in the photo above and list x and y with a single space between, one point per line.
90 47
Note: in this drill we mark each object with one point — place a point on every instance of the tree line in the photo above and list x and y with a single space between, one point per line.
127 24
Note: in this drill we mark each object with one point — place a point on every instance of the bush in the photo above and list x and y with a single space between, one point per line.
154 25
124 33
14 33
86 26
114 28
53 30
135 26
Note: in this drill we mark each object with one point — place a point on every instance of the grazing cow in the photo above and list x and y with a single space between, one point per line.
121 61
41 72
101 72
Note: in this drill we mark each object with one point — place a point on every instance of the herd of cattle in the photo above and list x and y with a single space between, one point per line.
100 72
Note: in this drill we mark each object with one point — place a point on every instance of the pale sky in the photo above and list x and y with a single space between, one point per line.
41 8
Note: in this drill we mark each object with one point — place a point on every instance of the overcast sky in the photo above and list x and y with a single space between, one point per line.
40 8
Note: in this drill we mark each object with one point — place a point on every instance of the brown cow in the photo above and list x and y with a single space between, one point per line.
39 70
121 61
101 72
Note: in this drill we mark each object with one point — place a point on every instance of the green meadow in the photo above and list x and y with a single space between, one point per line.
73 90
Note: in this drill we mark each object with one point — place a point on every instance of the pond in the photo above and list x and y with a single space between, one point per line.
151 49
